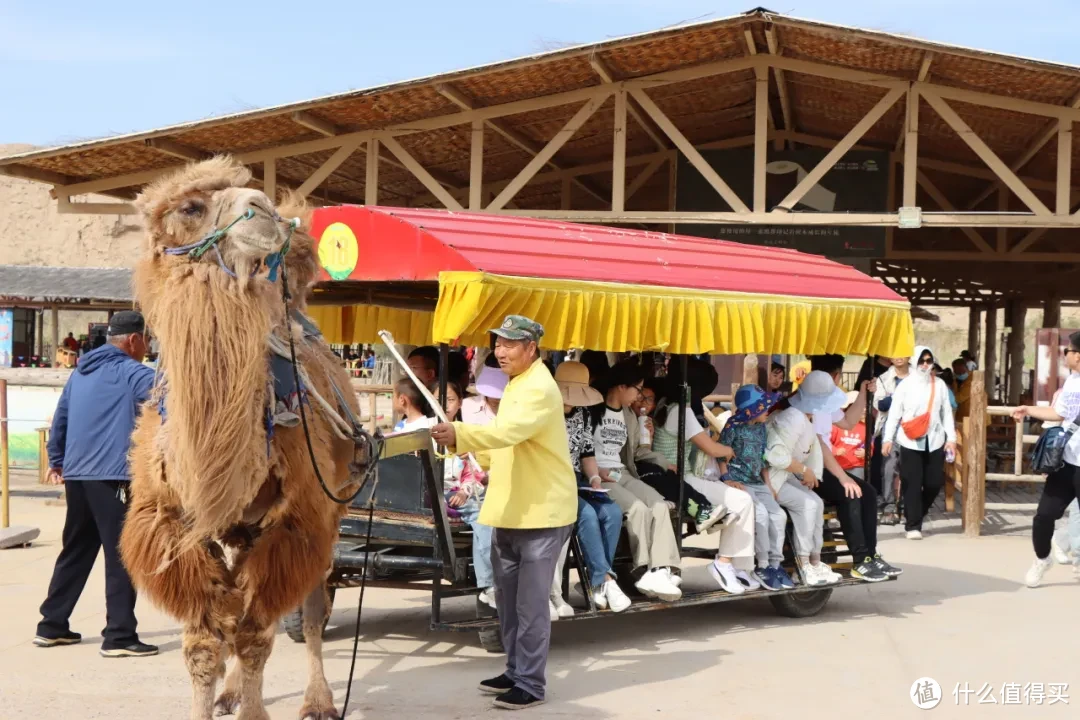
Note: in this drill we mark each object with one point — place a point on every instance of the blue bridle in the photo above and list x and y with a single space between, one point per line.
199 248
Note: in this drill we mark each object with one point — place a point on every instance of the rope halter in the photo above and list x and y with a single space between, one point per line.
200 247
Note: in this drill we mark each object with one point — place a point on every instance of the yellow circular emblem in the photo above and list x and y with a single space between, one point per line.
338 251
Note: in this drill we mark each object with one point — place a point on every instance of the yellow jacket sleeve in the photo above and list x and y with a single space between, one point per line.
529 416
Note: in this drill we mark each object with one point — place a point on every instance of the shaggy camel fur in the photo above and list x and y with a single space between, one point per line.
226 531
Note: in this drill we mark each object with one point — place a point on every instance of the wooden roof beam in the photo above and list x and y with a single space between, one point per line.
924 72
945 111
513 136
781 84
601 69
317 124
29 172
177 149
943 203
1025 157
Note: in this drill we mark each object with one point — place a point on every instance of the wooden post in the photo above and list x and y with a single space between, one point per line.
618 162
1018 449
5 480
1064 166
761 136
373 411
989 358
476 167
270 179
1052 311
39 322
975 457
1017 318
974 325
911 147
54 316
371 173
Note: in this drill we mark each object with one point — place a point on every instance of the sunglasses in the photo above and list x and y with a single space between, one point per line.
928 361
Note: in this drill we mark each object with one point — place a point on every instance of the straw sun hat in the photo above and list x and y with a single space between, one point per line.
573 381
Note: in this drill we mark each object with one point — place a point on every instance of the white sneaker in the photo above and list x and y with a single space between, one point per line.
614 597
552 611
674 577
914 535
562 608
748 581
725 576
820 574
599 599
488 598
1061 555
655 584
1034 576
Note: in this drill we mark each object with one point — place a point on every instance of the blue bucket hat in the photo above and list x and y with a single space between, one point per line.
752 402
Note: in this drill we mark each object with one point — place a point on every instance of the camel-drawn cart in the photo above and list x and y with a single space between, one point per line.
444 278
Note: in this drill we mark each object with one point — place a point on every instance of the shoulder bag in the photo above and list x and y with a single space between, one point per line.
1049 453
918 426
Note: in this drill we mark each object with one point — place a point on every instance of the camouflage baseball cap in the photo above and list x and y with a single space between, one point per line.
518 327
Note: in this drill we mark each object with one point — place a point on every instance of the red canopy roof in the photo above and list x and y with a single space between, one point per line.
398 244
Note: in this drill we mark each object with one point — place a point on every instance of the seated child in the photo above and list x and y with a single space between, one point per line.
464 483
745 433
410 403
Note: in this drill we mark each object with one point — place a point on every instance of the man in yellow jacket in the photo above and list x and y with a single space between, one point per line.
531 502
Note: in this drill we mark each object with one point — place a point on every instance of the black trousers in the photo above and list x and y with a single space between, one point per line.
922 475
666 483
95 516
1060 489
858 516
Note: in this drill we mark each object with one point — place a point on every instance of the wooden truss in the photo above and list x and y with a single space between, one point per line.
632 101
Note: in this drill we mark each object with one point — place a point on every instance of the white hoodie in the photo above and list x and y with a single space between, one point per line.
911 399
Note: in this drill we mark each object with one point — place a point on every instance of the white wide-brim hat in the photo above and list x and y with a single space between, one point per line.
818 394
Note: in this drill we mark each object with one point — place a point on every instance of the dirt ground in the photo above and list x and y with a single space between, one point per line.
958 615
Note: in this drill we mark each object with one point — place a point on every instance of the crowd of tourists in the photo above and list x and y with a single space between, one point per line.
526 477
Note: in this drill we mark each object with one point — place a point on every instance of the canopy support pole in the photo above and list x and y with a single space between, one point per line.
680 463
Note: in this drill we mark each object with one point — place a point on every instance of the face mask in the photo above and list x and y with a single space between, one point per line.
962 377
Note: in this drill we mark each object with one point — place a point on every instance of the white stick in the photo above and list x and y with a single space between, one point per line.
388 339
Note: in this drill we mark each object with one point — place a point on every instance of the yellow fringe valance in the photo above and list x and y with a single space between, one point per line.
360 324
617 318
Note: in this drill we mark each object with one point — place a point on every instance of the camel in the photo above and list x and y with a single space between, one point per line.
228 530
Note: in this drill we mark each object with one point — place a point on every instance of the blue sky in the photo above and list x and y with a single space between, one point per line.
75 70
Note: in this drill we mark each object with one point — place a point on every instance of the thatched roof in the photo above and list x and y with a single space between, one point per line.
65 285
705 109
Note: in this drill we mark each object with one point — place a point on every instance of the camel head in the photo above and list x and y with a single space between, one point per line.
187 207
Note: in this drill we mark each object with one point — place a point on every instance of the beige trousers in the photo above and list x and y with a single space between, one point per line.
648 523
736 538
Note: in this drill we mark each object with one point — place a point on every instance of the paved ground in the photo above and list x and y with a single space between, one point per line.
958 615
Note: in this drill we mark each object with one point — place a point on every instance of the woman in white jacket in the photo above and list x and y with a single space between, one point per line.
922 458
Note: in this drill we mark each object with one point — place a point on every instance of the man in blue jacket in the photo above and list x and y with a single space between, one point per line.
88 452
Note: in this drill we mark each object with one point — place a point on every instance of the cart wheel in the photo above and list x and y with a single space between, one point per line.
293 623
490 640
802 604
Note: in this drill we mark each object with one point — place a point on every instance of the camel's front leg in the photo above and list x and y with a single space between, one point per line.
318 699
228 701
253 645
204 655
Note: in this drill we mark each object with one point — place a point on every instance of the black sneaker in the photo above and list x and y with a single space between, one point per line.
890 570
517 699
68 638
135 649
496 686
868 571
